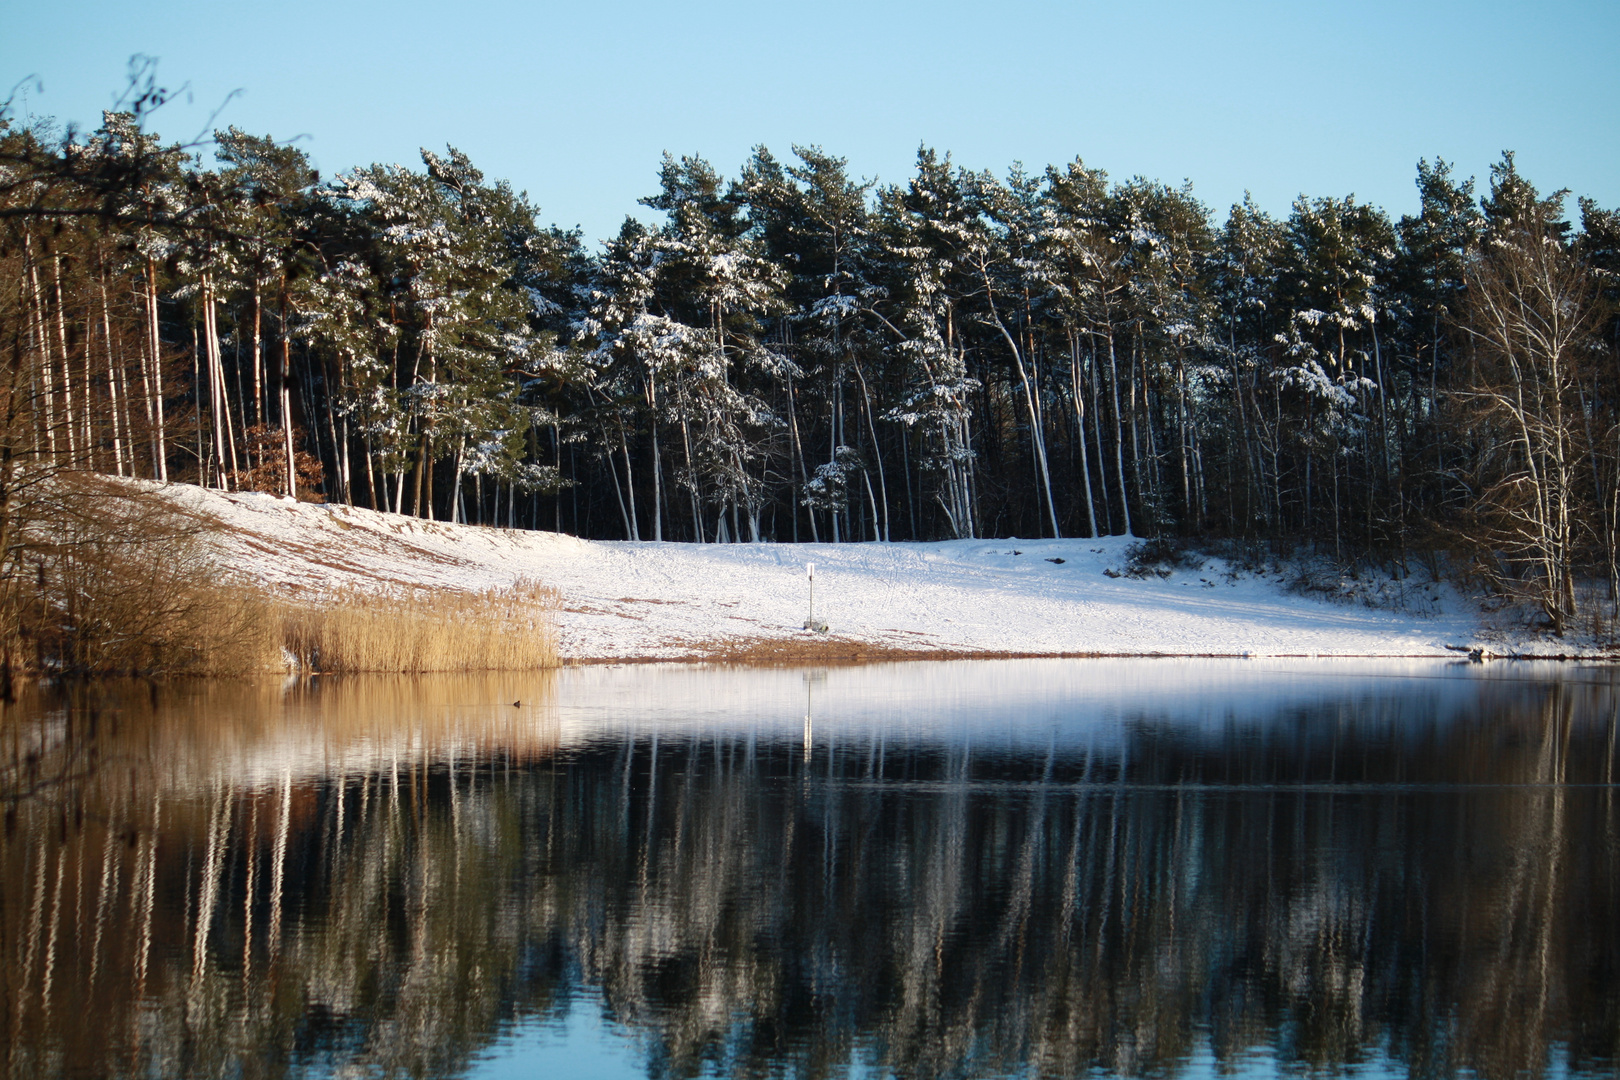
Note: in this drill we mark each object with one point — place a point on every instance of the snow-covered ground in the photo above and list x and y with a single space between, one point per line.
647 600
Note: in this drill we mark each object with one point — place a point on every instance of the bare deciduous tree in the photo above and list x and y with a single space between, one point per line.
1531 313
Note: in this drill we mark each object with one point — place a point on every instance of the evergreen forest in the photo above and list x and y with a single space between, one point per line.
798 354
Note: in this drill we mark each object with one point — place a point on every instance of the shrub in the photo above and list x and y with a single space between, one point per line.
112 581
1159 557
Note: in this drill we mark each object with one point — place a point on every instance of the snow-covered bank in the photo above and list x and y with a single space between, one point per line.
625 601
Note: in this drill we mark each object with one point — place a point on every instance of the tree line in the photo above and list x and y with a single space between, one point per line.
798 354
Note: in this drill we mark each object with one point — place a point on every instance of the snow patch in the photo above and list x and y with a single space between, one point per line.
624 600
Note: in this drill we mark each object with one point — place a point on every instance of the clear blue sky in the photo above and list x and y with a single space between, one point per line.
574 102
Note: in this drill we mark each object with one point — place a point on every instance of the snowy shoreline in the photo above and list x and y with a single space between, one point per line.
628 601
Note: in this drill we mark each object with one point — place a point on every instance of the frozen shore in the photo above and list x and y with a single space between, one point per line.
637 601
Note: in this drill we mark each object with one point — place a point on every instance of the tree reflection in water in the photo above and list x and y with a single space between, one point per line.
385 876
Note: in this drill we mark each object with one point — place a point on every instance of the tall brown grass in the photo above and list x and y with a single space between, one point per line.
421 630
109 579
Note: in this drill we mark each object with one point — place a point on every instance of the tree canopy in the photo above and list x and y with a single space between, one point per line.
800 354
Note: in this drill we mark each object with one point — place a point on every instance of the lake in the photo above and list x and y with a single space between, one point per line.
964 869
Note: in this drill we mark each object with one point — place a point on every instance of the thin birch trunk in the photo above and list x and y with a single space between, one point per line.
697 511
41 336
658 485
67 368
258 352
87 414
629 485
112 379
224 442
286 400
1119 434
457 516
1036 435
1076 383
154 379
798 455
877 454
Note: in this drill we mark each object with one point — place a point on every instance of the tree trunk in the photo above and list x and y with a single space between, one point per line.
1078 391
877 456
1037 437
1119 434
69 420
629 485
153 379
286 397
118 439
798 455
658 485
258 353
457 515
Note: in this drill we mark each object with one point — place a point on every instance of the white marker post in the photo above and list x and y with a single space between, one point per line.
810 623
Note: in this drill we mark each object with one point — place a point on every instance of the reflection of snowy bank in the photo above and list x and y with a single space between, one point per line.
651 600
1023 703
264 737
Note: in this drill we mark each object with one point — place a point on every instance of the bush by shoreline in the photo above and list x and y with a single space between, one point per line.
108 579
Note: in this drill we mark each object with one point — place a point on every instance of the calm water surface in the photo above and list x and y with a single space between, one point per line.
1022 868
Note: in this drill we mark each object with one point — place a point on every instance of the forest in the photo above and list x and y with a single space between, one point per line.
798 354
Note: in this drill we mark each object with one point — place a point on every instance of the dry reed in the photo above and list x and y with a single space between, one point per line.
421 630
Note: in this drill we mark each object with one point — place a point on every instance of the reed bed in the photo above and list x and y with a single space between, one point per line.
417 630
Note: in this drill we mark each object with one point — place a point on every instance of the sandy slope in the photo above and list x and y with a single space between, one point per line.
646 600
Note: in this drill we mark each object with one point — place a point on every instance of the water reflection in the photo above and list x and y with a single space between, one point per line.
929 870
